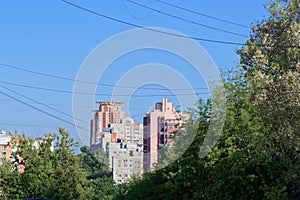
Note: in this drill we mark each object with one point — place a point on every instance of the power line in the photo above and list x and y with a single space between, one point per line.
40 103
51 104
96 94
88 82
30 125
150 29
42 111
43 74
203 15
137 116
70 105
186 20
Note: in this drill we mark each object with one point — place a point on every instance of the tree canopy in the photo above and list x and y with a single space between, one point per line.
256 157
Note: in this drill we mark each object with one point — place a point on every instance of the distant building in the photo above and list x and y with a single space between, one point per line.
8 145
160 126
5 147
128 131
124 148
108 113
126 161
121 138
39 140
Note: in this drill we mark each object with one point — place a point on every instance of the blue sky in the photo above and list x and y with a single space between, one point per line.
54 38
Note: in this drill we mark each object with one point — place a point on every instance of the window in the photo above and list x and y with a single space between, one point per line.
3 154
3 148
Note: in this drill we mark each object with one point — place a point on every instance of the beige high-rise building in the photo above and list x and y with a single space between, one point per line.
107 114
121 138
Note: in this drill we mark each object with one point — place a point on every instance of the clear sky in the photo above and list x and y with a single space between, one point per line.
52 37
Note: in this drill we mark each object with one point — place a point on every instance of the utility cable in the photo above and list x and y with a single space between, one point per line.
42 111
40 103
150 29
97 94
186 20
87 82
203 15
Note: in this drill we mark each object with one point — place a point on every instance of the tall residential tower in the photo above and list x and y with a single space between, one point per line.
159 127
108 113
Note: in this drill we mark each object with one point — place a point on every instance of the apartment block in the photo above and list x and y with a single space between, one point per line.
121 138
159 129
126 161
108 113
5 147
128 131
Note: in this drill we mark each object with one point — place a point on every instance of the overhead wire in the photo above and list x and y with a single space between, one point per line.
186 20
97 94
202 14
30 125
149 29
88 82
69 105
45 105
70 79
42 111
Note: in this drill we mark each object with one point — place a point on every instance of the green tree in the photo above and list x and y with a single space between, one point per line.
54 174
271 61
238 167
257 155
98 175
95 164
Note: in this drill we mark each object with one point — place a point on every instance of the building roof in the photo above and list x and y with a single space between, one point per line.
4 139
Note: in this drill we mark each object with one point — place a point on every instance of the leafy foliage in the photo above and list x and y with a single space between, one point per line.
48 173
256 157
271 61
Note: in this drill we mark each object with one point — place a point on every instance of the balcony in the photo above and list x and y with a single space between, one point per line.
172 123
171 129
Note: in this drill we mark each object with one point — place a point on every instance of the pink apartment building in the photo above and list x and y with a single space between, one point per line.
159 125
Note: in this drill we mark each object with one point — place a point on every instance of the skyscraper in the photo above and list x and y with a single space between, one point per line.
108 113
159 124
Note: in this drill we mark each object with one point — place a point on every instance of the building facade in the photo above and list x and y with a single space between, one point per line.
5 147
108 113
128 131
121 138
159 127
126 161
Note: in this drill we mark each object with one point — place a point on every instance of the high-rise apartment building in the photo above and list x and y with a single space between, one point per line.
128 131
159 127
121 138
108 113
